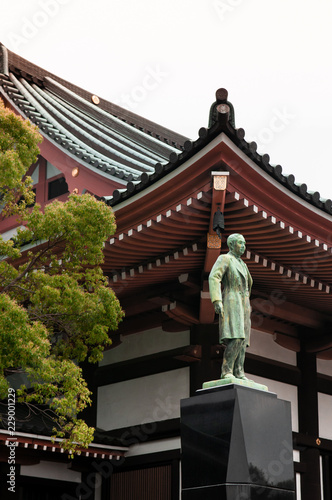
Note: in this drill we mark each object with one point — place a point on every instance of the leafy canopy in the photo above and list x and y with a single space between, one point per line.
56 305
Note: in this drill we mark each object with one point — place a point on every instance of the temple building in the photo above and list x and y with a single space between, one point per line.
176 201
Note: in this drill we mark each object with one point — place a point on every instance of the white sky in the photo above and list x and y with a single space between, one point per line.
164 60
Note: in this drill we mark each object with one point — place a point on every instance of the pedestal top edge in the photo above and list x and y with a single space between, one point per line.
232 385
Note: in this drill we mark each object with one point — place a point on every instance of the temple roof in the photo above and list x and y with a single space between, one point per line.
107 138
34 428
100 135
222 120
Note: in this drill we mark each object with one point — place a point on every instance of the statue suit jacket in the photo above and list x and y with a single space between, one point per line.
233 273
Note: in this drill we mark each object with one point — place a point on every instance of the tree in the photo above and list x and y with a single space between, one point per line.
56 305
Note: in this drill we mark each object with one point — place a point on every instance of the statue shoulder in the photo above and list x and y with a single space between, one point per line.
223 260
228 257
225 257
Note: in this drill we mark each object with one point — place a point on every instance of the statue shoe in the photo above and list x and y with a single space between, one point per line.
241 376
227 375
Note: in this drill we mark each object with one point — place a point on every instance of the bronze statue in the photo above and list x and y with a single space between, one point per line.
233 305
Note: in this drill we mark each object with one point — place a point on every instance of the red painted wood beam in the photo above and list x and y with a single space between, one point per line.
219 186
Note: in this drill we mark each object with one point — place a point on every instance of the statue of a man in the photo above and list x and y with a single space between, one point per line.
233 305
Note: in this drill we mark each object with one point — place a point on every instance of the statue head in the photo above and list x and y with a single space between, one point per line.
237 244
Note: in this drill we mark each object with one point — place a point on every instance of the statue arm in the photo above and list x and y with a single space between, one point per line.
250 281
218 307
215 279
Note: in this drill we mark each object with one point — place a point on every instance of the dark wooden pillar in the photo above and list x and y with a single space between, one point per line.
15 491
327 476
106 488
89 415
86 489
308 424
175 479
209 365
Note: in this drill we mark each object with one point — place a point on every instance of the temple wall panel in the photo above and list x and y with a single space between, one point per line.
51 470
145 343
51 171
157 446
324 366
262 344
324 415
142 400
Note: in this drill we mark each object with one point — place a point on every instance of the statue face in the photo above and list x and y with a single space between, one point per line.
239 246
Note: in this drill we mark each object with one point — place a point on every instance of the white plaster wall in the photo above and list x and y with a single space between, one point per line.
35 175
298 486
325 415
262 344
145 343
51 171
283 391
324 366
51 470
154 447
10 233
142 400
321 477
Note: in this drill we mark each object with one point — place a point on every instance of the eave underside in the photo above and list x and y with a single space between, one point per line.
274 250
157 266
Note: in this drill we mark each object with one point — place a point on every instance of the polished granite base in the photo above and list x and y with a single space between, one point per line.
236 445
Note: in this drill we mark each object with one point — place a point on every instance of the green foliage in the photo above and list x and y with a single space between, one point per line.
56 305
18 150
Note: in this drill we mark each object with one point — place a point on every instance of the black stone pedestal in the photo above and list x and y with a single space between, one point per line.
236 445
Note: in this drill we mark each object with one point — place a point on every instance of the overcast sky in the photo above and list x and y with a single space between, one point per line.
164 60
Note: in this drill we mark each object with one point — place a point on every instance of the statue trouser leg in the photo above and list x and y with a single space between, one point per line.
239 362
232 351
